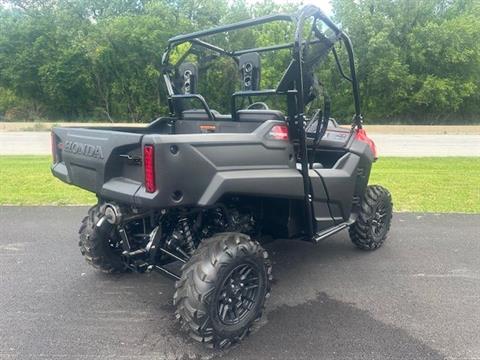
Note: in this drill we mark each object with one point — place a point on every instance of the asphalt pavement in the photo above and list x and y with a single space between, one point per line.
418 297
25 143
38 143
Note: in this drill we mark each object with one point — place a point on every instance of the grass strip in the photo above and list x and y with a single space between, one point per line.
450 184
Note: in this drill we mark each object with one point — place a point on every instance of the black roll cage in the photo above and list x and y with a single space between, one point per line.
294 91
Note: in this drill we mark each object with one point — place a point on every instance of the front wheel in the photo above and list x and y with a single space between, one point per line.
373 223
223 288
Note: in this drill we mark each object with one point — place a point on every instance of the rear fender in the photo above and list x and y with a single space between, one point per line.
198 169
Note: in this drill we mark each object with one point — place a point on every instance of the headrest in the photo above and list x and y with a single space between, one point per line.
188 77
249 65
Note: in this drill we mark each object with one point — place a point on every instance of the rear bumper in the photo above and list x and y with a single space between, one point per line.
120 189
60 171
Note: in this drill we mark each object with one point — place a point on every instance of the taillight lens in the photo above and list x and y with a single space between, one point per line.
361 135
149 167
278 132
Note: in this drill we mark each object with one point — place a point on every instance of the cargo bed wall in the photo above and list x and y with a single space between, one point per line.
190 169
90 158
197 169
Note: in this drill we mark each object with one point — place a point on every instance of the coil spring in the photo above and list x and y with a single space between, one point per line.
189 245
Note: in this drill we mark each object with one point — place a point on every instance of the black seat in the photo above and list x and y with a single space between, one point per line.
255 115
201 114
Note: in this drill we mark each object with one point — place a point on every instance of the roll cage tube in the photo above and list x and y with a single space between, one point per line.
295 95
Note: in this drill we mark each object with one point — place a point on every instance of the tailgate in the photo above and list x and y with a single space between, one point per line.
106 162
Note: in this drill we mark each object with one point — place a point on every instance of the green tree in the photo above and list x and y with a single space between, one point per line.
416 59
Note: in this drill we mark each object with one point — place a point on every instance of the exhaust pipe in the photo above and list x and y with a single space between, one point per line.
111 214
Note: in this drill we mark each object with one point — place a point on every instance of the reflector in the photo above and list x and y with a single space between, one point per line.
149 168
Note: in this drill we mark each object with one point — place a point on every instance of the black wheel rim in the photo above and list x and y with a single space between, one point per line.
114 241
239 294
379 221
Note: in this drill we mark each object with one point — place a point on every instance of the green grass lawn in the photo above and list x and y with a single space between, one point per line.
27 180
450 184
417 184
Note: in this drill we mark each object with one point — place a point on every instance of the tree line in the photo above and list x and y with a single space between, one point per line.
418 61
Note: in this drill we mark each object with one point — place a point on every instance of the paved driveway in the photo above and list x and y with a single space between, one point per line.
38 143
25 143
418 297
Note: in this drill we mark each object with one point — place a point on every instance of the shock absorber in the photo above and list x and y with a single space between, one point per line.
189 245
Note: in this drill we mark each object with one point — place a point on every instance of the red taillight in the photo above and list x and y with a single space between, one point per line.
362 136
278 132
149 167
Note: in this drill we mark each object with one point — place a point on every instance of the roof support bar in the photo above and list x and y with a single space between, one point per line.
235 26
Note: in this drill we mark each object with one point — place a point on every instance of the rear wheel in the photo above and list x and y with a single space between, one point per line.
373 223
223 288
100 246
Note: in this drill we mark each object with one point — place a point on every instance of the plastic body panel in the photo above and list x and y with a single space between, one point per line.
198 169
90 158
191 169
345 183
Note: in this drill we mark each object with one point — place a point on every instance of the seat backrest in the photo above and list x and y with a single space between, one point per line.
259 115
201 114
253 115
217 126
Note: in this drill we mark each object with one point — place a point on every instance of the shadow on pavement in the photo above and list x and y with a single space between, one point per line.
328 329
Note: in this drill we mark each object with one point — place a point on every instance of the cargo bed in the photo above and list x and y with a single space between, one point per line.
190 169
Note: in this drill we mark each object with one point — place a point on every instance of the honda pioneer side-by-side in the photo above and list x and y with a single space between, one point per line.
204 190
